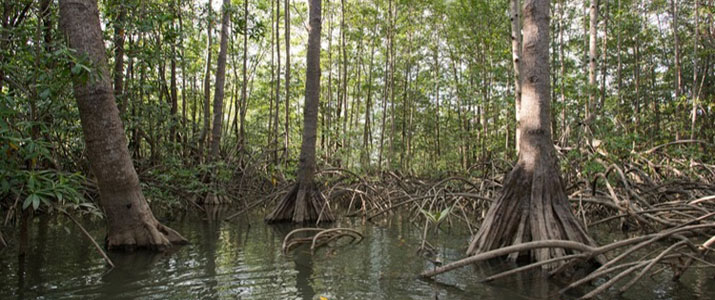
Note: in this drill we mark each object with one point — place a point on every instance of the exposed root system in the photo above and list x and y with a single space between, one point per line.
321 237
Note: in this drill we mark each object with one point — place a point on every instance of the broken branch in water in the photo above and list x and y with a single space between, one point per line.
96 246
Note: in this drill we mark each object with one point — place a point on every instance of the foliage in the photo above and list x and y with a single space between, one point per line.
437 73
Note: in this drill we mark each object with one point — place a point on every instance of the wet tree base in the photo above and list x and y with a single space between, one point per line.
303 203
533 207
149 234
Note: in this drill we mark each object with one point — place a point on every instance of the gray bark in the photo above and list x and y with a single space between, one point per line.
516 54
220 81
592 53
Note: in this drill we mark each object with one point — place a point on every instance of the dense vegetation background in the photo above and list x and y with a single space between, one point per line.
420 88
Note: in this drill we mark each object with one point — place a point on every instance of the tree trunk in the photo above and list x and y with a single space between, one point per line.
278 71
174 93
637 71
244 84
344 81
438 148
387 83
272 122
286 140
592 52
694 89
305 202
184 76
604 59
129 218
534 205
220 80
619 68
516 54
207 83
367 137
564 131
676 43
119 51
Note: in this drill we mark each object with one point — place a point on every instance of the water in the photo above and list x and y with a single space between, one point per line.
242 260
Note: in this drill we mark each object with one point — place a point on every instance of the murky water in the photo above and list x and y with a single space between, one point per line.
242 260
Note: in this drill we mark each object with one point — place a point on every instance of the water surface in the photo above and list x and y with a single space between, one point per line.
242 259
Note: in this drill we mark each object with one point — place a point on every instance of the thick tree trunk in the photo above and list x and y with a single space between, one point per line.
305 202
534 205
220 81
129 218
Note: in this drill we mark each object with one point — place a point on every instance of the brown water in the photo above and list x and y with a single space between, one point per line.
242 260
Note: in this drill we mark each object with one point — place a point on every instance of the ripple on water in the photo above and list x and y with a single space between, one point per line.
238 260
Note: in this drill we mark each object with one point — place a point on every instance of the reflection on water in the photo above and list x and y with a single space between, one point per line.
243 260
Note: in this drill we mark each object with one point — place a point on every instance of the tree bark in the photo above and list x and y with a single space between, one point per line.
592 52
220 81
129 218
562 60
344 81
619 68
207 83
244 85
305 202
604 57
174 91
516 54
286 140
676 43
386 89
694 89
367 135
119 51
534 205
278 70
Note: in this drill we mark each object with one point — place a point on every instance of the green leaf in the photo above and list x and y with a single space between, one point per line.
30 200
36 202
443 214
76 69
45 94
